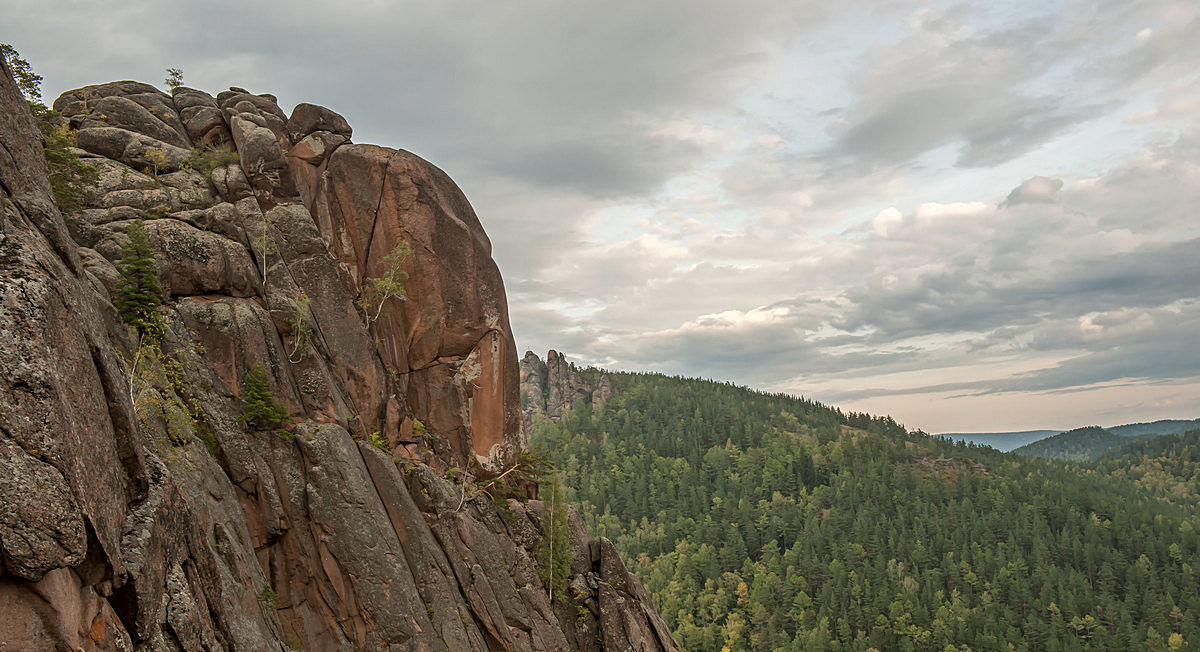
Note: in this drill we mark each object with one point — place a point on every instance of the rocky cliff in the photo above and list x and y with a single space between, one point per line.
139 512
555 385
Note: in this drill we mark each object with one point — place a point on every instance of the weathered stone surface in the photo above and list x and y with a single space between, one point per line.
533 387
191 261
21 164
307 118
313 148
41 526
80 100
57 356
264 104
206 126
603 390
185 97
139 512
554 386
203 120
261 155
127 114
262 109
136 150
452 333
101 269
59 612
231 183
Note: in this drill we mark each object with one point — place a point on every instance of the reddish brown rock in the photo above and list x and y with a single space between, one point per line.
139 509
308 118
451 332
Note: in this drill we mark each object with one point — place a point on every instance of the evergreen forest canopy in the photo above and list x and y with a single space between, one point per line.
1075 445
767 522
1094 442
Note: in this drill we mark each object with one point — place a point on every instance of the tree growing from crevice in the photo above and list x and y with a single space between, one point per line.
301 330
174 78
377 290
262 246
259 407
138 291
28 82
71 180
554 550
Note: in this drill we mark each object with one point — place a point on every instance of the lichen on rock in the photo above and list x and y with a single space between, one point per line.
128 523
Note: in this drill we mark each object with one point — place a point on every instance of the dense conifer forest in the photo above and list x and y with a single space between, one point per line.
1075 445
767 522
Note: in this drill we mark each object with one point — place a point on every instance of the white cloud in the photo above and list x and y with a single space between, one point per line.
1034 190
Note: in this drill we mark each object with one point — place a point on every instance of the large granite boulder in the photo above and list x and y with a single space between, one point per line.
448 339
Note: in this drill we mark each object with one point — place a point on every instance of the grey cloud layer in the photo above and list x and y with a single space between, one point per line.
663 192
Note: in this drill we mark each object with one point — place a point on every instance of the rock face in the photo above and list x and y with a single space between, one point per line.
555 385
139 512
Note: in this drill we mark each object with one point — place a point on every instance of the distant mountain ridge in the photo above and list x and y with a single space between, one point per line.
1076 445
1010 441
1001 441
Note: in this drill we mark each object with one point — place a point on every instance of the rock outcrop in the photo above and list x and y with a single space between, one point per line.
553 386
139 512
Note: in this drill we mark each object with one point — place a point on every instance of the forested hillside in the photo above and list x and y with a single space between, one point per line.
1075 445
765 522
1094 442
1167 467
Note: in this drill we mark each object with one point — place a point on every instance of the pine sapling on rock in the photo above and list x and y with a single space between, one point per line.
137 285
259 408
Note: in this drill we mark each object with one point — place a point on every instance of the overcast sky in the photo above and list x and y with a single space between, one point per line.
971 216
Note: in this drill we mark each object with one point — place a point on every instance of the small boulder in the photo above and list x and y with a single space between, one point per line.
206 125
307 118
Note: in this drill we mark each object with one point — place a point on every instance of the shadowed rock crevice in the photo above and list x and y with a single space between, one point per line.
140 510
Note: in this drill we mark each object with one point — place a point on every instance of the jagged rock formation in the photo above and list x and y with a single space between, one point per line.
554 385
137 511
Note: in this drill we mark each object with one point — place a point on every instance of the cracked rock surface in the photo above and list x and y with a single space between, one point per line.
138 509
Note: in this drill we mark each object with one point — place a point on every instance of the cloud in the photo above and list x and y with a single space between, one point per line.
1034 190
951 82
802 196
562 95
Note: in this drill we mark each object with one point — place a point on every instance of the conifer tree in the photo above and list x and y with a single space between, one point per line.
138 291
71 180
174 78
554 550
259 407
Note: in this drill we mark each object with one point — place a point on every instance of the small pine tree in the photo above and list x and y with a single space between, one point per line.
71 180
259 407
174 78
554 550
138 291
28 82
